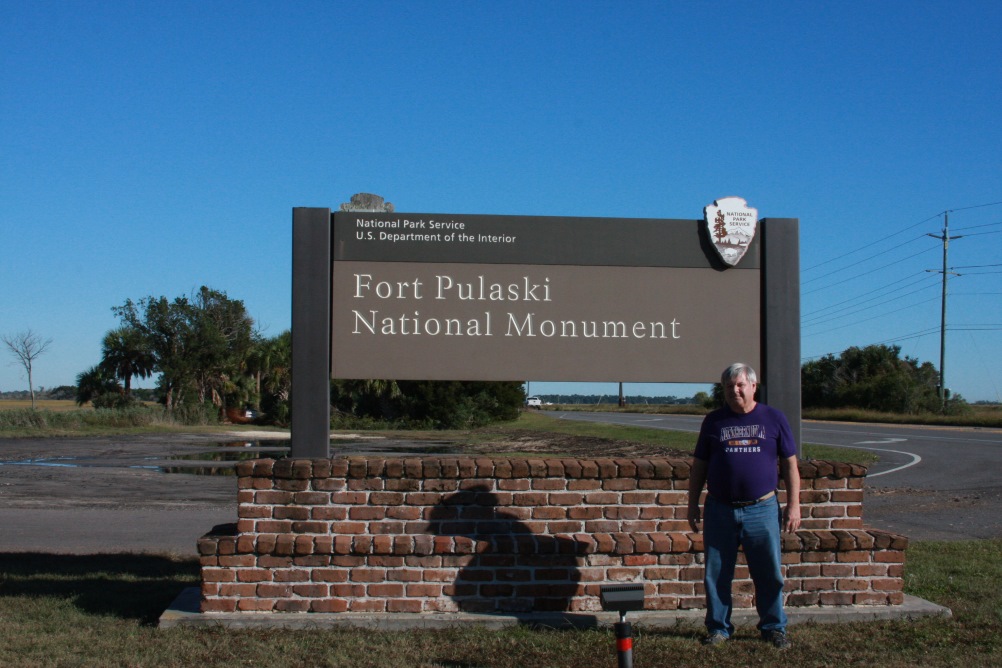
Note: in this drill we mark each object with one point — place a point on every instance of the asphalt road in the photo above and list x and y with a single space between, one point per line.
930 483
125 494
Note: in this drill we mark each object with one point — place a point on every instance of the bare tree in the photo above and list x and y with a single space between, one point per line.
26 346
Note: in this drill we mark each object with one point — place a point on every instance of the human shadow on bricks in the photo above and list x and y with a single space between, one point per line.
504 566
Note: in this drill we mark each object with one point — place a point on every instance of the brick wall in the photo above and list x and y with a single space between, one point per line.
442 534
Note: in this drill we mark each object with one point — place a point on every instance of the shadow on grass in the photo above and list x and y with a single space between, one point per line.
127 586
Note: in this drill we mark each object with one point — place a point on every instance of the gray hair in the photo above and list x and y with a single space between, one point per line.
739 369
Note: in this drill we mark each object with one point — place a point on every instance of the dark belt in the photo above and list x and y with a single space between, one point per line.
745 504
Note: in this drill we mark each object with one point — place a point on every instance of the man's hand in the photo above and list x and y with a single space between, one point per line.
791 517
694 518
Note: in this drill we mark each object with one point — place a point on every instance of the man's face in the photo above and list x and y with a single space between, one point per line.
739 393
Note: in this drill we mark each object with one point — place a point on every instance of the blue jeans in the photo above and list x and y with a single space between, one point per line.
755 528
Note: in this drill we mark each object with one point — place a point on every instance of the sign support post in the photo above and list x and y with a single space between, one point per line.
780 372
311 329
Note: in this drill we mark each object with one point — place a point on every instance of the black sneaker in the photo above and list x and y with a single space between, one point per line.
715 638
779 639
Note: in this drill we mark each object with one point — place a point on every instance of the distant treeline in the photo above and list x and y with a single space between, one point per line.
69 392
612 399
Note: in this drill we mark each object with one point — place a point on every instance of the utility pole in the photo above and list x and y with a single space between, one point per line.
942 322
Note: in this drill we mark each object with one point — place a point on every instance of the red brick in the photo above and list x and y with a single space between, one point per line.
619 484
403 605
274 526
329 605
887 584
367 605
330 485
292 485
804 571
368 575
640 560
852 584
835 598
349 498
838 570
385 590
255 605
803 599
219 605
271 590
347 591
254 512
818 584
310 527
645 498
238 561
313 590
253 575
291 575
348 528
218 575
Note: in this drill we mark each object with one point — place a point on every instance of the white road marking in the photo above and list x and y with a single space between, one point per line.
915 458
882 441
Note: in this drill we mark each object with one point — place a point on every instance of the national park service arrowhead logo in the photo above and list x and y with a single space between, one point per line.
731 224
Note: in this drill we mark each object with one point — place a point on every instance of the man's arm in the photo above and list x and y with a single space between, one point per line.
697 478
791 478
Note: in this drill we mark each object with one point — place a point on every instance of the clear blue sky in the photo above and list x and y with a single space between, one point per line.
150 148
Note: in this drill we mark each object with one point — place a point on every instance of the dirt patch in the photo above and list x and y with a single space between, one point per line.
567 445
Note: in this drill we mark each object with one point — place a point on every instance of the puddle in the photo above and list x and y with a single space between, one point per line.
221 459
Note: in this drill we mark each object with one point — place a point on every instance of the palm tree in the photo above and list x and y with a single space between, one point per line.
93 383
126 353
275 366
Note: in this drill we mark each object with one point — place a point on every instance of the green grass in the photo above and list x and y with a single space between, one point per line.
980 415
27 423
99 610
545 424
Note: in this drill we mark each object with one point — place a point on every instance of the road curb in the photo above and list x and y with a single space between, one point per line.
184 612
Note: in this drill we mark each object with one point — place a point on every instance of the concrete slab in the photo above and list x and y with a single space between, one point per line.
184 611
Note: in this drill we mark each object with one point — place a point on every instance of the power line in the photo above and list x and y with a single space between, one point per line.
975 227
865 259
866 273
818 321
873 243
855 300
903 337
899 232
976 206
882 315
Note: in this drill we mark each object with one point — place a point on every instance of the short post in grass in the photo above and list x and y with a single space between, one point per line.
622 599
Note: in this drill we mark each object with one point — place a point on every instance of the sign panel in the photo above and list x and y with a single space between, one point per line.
629 242
456 297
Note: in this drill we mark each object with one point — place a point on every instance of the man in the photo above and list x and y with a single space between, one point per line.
736 455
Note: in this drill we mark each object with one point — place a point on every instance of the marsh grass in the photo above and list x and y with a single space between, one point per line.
100 610
537 423
977 415
983 416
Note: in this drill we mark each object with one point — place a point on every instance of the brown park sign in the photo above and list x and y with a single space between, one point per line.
465 297
386 295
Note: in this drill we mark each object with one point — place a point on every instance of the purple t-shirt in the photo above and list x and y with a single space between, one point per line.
742 452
